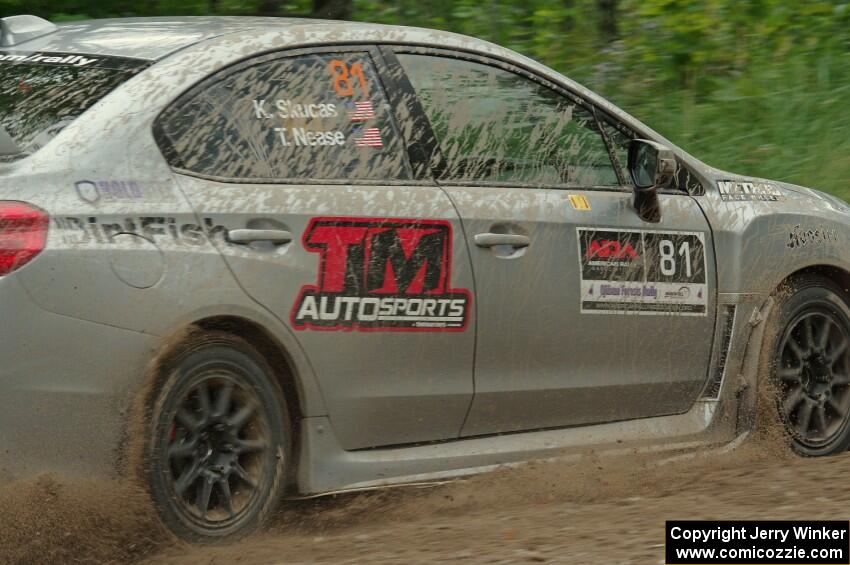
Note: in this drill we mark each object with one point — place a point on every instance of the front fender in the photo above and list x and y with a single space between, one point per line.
759 244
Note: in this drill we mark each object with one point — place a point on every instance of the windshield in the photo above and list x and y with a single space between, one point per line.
41 93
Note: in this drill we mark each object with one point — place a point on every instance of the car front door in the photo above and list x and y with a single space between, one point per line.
298 173
586 313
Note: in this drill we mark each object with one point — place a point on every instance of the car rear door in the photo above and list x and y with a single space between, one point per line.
586 314
298 171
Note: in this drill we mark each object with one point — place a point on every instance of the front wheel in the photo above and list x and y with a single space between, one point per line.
217 446
810 366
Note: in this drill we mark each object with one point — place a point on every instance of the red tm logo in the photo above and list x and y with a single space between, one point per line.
381 274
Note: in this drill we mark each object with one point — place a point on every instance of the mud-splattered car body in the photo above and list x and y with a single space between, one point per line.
520 352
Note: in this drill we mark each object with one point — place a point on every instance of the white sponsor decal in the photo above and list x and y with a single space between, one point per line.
287 109
416 312
303 137
748 191
641 271
72 60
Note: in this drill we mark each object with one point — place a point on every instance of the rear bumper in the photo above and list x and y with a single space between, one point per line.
66 387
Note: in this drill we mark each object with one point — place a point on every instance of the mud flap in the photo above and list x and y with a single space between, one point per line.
747 386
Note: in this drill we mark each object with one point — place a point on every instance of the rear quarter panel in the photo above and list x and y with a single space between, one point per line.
125 248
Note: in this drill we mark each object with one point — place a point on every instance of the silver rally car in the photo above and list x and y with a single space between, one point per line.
248 259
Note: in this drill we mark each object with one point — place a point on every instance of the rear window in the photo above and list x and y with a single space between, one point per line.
314 116
41 93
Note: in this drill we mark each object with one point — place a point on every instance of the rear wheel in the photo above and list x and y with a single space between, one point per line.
217 449
810 369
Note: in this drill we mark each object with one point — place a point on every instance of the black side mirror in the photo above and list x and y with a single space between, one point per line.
651 166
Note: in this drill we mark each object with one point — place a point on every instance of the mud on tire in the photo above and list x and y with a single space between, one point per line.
806 385
217 443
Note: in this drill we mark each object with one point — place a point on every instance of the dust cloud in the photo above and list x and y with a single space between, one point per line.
557 511
48 520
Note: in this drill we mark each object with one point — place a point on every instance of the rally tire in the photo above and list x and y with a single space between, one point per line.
808 366
217 447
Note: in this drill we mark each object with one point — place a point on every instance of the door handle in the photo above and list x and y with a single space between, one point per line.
493 239
278 237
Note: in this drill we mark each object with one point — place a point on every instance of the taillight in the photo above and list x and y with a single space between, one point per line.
23 234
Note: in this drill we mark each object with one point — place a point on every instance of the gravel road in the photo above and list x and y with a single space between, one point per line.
598 510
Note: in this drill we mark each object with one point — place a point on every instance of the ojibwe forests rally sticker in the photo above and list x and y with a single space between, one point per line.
381 274
641 271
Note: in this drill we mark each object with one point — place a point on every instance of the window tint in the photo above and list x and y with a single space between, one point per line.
42 93
321 116
497 126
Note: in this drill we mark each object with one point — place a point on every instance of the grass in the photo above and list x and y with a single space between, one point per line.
787 121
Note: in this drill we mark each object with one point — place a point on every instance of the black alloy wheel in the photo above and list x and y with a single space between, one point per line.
218 446
217 442
811 374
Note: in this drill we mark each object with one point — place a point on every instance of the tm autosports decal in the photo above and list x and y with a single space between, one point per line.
381 274
647 272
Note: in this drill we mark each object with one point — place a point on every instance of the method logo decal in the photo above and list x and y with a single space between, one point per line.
381 274
748 191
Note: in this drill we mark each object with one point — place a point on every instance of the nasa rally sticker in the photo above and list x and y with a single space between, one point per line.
641 271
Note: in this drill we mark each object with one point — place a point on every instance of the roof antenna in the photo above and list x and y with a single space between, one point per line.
18 29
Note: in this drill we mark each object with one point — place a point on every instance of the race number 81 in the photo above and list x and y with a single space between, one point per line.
675 258
344 77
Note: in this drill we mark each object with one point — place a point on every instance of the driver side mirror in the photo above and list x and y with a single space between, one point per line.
651 166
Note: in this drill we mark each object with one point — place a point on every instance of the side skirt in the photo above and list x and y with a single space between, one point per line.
324 467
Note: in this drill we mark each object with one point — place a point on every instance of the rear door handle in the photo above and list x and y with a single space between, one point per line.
278 237
493 239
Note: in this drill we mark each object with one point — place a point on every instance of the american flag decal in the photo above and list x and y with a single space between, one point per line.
368 137
360 111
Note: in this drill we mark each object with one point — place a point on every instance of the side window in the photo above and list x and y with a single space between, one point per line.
493 125
318 116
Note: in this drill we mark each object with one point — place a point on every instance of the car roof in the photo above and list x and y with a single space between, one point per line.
209 43
157 37
145 38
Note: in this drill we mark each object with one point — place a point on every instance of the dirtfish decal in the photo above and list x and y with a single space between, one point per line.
158 229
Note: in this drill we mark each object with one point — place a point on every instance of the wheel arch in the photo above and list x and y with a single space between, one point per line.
806 278
185 340
836 274
271 349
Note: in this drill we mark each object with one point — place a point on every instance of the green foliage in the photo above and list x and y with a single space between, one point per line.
758 87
